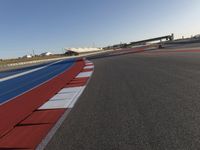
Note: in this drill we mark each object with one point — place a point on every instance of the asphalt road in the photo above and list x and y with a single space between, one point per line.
143 101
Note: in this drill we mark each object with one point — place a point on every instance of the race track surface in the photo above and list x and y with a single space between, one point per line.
139 101
17 86
8 73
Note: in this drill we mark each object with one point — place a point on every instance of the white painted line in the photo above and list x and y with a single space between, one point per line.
84 74
21 74
26 72
35 86
88 67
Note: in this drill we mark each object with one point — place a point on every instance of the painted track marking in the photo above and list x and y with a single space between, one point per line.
26 72
37 125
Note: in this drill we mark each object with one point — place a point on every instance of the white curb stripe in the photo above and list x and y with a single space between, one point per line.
70 90
57 104
84 74
62 96
89 63
88 67
76 98
63 99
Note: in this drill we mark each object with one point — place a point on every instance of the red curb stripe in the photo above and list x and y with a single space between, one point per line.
36 126
76 82
80 80
20 107
86 70
25 136
74 85
43 117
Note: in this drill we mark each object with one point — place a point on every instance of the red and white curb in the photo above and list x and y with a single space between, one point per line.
66 99
36 124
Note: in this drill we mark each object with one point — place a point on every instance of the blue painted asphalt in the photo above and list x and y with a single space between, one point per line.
4 74
17 86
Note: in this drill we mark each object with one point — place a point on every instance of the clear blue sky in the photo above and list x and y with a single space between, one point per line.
50 25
